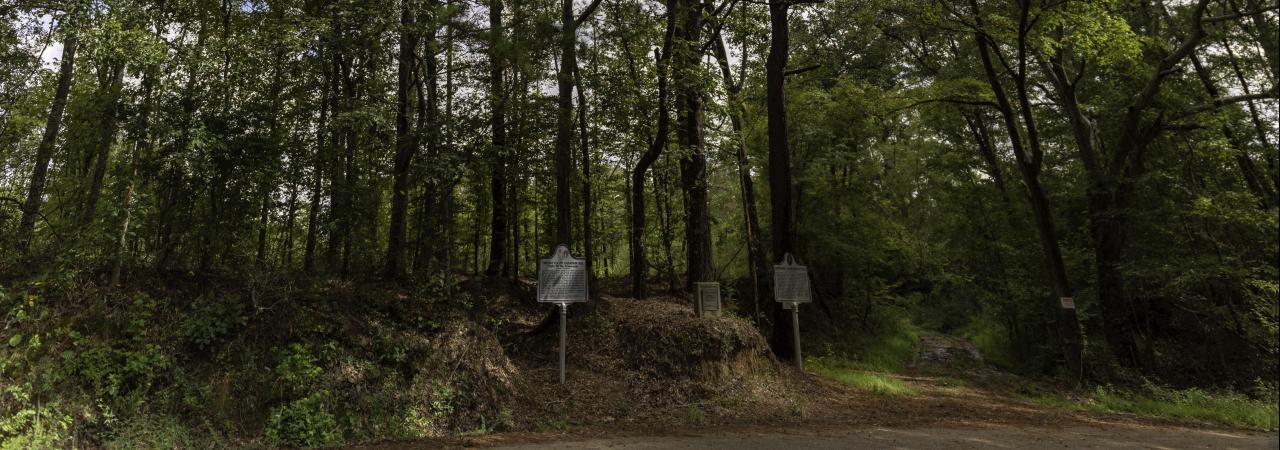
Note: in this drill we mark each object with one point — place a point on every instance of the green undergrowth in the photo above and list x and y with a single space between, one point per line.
191 363
885 347
864 360
851 374
1257 411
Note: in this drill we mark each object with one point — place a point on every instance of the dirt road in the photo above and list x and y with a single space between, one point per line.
937 438
648 401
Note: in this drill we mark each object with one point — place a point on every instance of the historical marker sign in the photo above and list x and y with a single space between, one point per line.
791 282
791 288
708 297
562 278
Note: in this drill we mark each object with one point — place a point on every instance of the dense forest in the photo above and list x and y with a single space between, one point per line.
1086 189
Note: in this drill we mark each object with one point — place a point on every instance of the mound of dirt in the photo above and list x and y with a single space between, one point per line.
666 340
649 361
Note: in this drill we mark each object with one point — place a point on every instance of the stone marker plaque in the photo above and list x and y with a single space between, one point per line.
1068 302
791 281
708 297
562 278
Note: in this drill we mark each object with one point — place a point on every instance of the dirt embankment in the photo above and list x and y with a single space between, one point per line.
640 362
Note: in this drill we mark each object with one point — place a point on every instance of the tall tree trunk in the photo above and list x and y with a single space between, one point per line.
1029 167
664 185
784 241
693 163
337 210
291 217
513 268
266 182
751 220
261 259
142 145
117 266
447 190
112 82
498 186
564 118
519 250
639 261
317 176
564 123
584 139
313 216
428 113
348 185
406 145
35 191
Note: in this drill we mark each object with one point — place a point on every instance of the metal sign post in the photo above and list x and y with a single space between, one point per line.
791 288
564 313
562 279
795 333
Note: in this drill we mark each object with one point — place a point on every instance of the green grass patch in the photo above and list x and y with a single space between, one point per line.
892 351
888 348
994 345
851 374
1223 408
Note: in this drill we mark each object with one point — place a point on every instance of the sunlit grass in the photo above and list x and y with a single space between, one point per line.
1227 408
888 350
848 374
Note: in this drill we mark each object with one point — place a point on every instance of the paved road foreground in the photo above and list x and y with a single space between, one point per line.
942 438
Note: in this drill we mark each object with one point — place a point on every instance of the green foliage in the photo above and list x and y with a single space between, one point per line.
442 398
886 348
297 368
212 319
305 422
1092 30
1194 404
33 425
694 415
154 431
115 374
